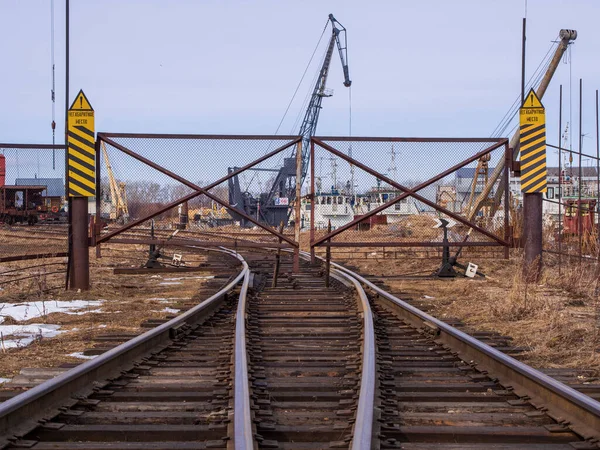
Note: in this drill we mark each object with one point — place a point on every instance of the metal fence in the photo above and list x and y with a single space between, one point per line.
571 208
33 217
177 188
392 193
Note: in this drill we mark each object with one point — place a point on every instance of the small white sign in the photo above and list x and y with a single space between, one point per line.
438 223
282 201
471 270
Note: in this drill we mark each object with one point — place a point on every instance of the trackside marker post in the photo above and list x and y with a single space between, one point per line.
81 169
532 146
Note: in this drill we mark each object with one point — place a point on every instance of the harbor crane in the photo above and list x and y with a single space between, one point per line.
274 206
483 199
118 196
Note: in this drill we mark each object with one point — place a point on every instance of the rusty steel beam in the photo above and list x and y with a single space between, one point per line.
35 146
199 190
201 137
412 193
188 242
408 244
403 139
36 256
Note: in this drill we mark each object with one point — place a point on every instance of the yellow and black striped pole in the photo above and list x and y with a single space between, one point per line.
532 145
81 152
81 184
534 174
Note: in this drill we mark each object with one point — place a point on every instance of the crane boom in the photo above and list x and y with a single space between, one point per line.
566 37
117 191
285 181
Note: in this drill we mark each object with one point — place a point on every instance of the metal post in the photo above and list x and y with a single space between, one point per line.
312 201
328 256
97 222
597 176
560 231
277 258
296 267
522 64
507 166
68 197
579 215
532 229
80 252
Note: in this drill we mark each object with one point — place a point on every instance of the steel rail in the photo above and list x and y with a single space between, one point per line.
22 413
242 415
363 422
563 402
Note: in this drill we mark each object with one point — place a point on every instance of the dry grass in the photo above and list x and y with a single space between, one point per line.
555 320
129 300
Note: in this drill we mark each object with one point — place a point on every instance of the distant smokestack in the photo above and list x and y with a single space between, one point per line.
2 170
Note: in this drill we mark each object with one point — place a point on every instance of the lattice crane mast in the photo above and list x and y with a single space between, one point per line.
267 208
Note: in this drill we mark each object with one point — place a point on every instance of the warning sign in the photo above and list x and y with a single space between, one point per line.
533 145
81 148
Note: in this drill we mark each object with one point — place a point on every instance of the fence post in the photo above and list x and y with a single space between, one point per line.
312 201
277 258
81 256
328 256
507 167
296 267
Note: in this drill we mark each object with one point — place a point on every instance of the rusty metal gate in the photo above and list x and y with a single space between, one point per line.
390 193
165 171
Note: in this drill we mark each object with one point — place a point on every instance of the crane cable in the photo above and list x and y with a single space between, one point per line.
302 78
293 97
53 96
350 142
533 81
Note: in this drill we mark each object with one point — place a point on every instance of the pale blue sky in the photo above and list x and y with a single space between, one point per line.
419 68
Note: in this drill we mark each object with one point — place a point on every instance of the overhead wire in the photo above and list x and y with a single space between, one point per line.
302 78
53 91
532 82
293 98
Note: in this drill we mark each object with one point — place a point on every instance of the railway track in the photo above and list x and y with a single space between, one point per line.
301 366
306 362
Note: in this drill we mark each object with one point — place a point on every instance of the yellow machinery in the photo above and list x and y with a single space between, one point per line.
119 210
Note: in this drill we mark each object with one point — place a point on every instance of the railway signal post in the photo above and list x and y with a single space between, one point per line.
532 145
81 172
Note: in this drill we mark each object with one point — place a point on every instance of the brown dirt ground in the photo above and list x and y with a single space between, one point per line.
129 300
556 320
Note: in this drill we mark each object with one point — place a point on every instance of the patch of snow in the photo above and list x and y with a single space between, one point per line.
4 380
102 326
427 296
168 283
31 310
80 355
197 277
166 299
23 335
171 310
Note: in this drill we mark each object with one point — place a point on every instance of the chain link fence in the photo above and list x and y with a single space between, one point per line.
362 190
191 189
570 208
33 218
